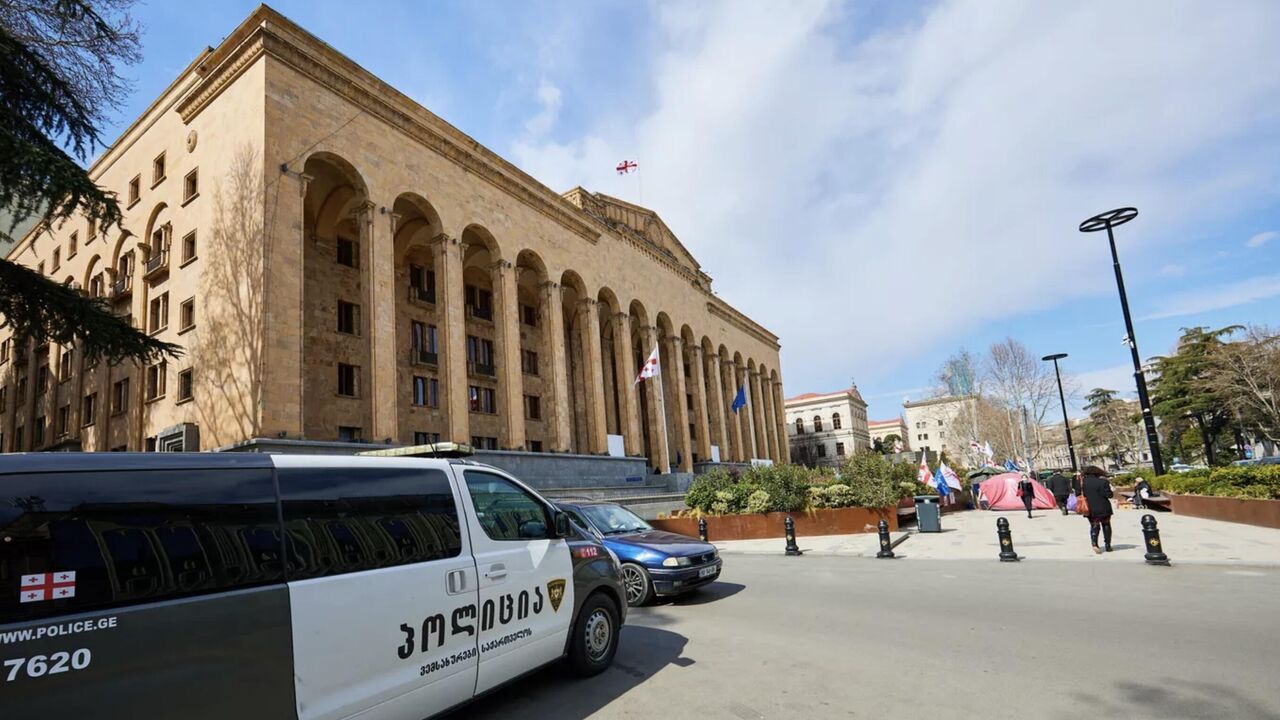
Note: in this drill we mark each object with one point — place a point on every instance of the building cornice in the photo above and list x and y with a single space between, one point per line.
726 312
267 32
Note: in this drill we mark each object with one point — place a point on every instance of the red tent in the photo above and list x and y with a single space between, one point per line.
1001 493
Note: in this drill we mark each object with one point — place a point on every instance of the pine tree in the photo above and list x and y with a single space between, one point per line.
58 74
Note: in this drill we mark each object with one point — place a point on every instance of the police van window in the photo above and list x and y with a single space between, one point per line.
344 520
73 542
505 510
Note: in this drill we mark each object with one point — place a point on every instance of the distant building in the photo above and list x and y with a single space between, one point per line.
886 431
928 422
826 428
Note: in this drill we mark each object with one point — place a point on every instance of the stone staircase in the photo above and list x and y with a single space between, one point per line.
648 498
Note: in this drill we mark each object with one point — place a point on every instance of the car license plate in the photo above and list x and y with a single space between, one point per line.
707 571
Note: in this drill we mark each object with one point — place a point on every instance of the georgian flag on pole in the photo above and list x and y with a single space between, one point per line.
650 367
924 475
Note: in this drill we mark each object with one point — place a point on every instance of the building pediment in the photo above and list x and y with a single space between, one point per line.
636 221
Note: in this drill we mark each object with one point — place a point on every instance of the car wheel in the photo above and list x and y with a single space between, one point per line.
595 636
637 583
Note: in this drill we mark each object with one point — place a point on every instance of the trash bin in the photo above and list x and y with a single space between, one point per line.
928 513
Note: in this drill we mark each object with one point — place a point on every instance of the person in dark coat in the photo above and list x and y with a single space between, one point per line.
1095 487
1027 490
1060 486
1141 491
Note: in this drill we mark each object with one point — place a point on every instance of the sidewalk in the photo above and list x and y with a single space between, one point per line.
1049 535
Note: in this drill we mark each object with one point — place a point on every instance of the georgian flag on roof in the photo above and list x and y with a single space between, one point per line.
650 367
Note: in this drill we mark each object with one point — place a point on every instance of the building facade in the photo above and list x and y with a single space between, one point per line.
338 263
826 428
887 431
931 424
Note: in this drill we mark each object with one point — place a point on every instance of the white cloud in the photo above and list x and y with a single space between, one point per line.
1262 238
1173 270
932 174
549 111
1220 297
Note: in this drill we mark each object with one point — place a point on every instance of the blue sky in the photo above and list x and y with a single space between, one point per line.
877 183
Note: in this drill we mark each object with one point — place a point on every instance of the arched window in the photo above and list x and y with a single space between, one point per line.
817 423
799 426
835 421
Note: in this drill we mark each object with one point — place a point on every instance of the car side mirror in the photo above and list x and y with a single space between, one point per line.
560 522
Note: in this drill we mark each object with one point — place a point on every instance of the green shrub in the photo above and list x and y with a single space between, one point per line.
787 485
758 502
702 491
1250 481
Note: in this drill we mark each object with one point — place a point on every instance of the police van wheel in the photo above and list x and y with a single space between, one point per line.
595 636
635 580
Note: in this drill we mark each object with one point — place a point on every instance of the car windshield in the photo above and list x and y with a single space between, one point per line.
614 520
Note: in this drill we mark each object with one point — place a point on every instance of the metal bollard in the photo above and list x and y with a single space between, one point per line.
886 546
1151 534
1006 542
702 529
792 548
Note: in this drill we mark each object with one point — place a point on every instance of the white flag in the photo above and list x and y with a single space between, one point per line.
650 367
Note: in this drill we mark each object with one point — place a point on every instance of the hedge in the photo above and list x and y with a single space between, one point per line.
1250 481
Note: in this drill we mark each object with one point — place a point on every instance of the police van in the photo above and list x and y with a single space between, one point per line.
246 586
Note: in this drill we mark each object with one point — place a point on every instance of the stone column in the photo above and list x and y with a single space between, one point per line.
779 402
748 414
506 323
559 425
700 403
597 430
766 417
380 314
679 405
448 254
734 419
628 397
715 403
658 436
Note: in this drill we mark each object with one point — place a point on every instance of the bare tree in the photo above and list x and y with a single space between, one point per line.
1016 379
1246 375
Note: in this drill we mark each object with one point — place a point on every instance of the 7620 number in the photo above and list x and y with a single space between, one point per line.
40 665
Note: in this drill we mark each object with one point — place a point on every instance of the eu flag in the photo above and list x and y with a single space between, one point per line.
739 400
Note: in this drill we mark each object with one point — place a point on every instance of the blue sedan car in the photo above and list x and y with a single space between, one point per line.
654 562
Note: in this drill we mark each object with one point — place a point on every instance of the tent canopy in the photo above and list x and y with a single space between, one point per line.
1001 493
986 471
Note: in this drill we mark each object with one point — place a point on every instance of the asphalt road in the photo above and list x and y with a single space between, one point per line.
835 637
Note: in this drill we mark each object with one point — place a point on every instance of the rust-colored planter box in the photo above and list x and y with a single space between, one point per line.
829 521
1264 513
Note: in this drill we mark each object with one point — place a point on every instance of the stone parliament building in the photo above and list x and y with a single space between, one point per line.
339 264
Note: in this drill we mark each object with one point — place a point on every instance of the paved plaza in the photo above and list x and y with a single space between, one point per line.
1049 535
841 637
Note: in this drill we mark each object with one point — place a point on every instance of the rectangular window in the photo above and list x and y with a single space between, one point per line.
425 438
120 396
528 315
66 364
4 403
42 379
535 446
347 252
479 303
64 420
348 318
191 186
422 338
529 362
202 531
187 314
73 245
57 258
5 346
822 451
19 441
156 376
840 449
328 530
514 513
419 391
348 433
135 189
422 284
532 407
159 316
157 170
480 356
347 380
186 387
189 247
37 433
482 400
480 442
89 409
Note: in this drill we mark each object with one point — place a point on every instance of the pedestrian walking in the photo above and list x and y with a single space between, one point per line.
1093 489
1026 491
1060 486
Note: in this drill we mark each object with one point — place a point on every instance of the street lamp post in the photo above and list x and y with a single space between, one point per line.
1106 221
1062 399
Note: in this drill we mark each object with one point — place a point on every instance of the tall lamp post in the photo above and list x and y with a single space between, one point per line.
1106 221
1062 400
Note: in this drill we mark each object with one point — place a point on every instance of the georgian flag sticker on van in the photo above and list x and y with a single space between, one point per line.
555 591
47 586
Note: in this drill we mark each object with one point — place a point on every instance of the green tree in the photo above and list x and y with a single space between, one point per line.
58 73
1180 395
1111 429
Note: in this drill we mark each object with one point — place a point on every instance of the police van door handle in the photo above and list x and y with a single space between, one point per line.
456 582
496 571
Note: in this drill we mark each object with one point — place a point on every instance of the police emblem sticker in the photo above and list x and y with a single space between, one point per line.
555 592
